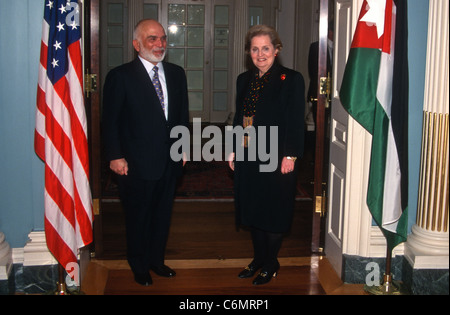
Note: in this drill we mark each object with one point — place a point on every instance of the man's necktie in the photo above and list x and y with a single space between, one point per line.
158 88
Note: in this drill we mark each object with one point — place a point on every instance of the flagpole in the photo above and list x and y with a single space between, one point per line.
61 284
61 288
389 285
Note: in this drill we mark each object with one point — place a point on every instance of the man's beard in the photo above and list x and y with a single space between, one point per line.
149 55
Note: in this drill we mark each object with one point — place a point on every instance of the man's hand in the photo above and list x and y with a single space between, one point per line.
119 167
231 160
184 158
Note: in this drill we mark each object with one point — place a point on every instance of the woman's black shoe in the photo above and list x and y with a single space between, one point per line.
249 271
266 275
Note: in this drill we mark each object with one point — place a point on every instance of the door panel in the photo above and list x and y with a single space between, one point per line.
334 233
114 38
200 41
188 42
337 190
221 59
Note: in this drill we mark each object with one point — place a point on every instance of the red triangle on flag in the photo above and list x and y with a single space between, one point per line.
366 35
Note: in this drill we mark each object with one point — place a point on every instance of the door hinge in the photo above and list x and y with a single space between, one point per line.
96 206
320 206
90 83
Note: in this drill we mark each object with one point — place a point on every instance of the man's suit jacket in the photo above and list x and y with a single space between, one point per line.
134 124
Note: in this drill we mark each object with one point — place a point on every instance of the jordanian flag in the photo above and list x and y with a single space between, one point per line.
375 93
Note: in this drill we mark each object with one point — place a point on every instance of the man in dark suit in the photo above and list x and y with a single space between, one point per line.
143 100
313 62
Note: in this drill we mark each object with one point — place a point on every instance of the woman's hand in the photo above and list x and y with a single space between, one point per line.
287 166
231 160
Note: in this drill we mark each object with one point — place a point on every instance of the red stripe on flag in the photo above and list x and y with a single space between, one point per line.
61 142
79 138
84 220
59 195
39 145
77 61
41 103
44 55
39 140
57 246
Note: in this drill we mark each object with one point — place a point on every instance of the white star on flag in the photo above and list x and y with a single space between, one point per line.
74 25
57 45
376 15
55 63
62 9
60 27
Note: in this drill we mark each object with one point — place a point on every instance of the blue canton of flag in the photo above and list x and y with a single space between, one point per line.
64 21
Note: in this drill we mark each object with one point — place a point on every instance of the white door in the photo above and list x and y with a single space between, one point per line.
346 15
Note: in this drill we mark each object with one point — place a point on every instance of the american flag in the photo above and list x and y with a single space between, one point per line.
61 133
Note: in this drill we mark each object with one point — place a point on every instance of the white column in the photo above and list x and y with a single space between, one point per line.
5 258
427 245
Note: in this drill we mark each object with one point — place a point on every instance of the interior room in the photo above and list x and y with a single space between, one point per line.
334 244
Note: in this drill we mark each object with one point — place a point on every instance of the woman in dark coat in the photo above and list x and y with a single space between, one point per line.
268 96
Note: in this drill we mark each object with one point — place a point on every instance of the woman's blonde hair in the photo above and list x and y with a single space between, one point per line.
259 30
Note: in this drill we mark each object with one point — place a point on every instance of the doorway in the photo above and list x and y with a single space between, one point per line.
201 39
